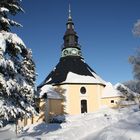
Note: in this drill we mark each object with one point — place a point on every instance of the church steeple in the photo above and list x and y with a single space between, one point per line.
71 65
70 46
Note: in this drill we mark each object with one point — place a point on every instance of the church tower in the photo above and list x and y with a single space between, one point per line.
70 46
81 86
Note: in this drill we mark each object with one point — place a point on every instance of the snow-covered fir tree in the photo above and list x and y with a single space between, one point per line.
17 69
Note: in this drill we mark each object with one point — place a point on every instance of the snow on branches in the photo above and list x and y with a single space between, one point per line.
10 7
17 77
17 68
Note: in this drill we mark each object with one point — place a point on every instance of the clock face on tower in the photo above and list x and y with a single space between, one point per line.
71 52
74 52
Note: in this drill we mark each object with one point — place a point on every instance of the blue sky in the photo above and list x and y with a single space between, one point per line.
104 28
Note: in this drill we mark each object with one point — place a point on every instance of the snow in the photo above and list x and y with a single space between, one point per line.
107 124
127 102
12 22
75 78
110 91
3 9
51 93
11 38
129 91
2 43
5 20
7 132
14 6
125 129
99 78
14 71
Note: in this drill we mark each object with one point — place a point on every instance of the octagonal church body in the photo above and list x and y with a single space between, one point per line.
73 87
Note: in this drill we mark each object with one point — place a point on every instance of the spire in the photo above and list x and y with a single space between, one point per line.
70 12
69 16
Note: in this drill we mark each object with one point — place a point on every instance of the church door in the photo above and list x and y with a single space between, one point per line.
83 106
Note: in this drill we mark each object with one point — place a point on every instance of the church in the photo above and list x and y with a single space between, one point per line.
73 87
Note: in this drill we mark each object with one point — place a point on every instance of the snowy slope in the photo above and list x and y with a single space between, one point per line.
109 124
124 129
103 125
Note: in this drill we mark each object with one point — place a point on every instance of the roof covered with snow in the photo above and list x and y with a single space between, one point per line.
72 70
110 91
51 93
76 78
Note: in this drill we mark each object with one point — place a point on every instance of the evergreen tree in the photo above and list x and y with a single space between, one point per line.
17 69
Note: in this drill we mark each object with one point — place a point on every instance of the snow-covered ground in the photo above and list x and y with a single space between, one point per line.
107 124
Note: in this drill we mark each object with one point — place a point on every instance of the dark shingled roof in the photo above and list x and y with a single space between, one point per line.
68 64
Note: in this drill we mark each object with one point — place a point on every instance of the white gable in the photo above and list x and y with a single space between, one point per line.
110 91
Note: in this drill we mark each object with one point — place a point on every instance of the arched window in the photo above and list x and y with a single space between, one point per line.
83 106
